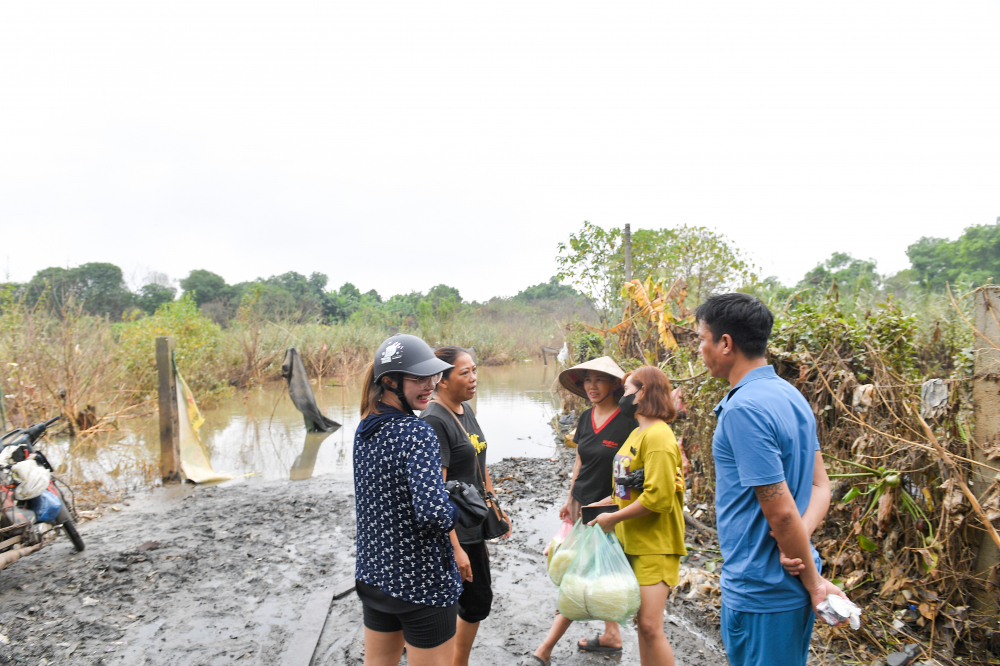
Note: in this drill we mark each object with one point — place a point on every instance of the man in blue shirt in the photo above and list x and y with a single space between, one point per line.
771 491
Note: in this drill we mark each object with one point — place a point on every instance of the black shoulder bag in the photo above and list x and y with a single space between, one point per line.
494 526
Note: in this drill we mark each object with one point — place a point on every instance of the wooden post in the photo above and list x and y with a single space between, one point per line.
628 253
170 443
986 410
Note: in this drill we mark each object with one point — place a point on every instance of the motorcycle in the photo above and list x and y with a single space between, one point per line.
32 505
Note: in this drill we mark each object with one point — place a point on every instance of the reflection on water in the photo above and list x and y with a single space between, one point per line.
305 463
261 432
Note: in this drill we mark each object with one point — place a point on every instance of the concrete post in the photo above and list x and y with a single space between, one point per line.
170 443
986 408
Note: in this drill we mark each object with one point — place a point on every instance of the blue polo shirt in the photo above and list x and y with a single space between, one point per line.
766 433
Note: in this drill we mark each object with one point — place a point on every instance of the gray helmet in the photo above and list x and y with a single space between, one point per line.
407 354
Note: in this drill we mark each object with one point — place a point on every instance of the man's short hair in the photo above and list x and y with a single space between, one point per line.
744 318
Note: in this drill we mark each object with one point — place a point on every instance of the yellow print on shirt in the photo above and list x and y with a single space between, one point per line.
479 446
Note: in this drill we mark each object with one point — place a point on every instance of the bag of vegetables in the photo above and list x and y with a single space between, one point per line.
557 540
599 583
562 556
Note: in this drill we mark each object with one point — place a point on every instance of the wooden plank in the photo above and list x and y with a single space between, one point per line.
170 443
302 646
344 587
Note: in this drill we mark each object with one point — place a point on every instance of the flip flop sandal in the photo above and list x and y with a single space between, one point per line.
533 660
595 645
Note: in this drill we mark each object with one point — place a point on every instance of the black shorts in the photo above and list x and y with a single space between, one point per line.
422 626
477 597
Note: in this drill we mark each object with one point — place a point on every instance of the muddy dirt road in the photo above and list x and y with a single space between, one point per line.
243 573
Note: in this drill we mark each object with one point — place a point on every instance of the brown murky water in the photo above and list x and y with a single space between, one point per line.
260 433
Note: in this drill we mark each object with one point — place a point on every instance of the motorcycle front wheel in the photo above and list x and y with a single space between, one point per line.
73 535
65 521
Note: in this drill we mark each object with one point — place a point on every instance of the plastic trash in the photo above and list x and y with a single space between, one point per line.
46 506
599 584
835 609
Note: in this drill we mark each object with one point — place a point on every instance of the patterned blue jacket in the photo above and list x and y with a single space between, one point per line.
403 511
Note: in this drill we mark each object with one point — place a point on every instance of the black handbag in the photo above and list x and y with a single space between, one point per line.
472 510
494 526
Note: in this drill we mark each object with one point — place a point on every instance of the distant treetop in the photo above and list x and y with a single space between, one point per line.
548 291
974 257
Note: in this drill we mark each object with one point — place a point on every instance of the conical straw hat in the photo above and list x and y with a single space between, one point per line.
572 378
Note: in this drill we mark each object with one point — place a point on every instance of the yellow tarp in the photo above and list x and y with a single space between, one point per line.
195 461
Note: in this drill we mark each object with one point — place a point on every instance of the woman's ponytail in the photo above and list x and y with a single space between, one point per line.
371 393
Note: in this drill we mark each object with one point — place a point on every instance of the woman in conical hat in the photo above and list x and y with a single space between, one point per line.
600 432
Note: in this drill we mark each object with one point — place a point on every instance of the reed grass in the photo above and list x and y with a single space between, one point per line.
98 373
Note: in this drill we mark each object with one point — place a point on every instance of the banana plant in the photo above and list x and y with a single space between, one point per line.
882 480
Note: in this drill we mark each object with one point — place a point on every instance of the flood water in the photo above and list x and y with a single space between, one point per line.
260 433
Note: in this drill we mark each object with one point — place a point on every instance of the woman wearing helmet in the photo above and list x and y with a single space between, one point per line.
406 574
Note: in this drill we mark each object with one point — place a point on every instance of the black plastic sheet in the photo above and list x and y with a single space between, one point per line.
301 393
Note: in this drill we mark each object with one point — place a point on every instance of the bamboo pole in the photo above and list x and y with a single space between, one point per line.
11 556
950 464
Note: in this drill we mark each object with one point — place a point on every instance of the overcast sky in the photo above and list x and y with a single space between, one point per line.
401 145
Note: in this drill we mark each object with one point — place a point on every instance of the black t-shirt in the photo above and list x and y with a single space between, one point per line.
597 448
461 452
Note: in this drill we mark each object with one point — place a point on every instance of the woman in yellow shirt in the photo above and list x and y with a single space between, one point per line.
650 520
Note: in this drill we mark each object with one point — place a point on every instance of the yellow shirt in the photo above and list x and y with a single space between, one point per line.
661 532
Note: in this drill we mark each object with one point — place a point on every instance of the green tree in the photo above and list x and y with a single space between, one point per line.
438 311
704 259
593 261
199 343
974 257
152 296
443 292
849 273
99 287
340 305
206 287
548 291
51 284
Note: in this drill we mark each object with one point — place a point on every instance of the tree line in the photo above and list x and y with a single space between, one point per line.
100 289
593 260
